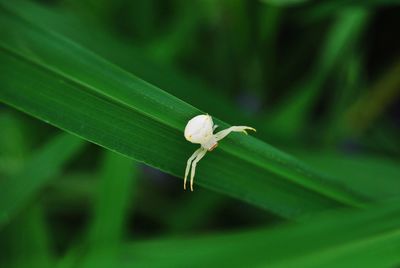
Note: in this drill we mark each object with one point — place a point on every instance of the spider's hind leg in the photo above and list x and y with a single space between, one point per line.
188 164
199 156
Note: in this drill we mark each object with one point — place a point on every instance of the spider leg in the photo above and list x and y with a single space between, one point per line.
188 164
194 164
223 133
215 127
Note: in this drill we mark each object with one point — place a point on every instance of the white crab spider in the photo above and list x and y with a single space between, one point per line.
200 130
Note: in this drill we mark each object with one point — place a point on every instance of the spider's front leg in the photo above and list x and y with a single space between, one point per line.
223 133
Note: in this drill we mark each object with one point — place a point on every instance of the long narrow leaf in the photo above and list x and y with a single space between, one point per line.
339 239
17 190
114 193
110 212
78 91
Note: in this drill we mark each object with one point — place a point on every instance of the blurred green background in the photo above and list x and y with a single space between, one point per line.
318 79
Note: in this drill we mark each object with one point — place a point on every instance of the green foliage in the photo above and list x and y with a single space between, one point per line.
337 239
94 98
146 123
18 189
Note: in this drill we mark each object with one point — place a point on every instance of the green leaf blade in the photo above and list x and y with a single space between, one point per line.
345 238
79 92
17 190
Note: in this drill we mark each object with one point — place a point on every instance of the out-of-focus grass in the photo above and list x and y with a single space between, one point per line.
318 79
17 190
336 239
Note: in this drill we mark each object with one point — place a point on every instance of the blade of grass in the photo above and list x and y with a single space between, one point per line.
115 190
292 115
12 150
314 13
349 84
137 139
371 105
375 177
76 90
110 212
44 165
271 21
25 242
131 58
178 35
369 238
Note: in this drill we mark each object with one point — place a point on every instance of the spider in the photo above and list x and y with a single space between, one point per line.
200 130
